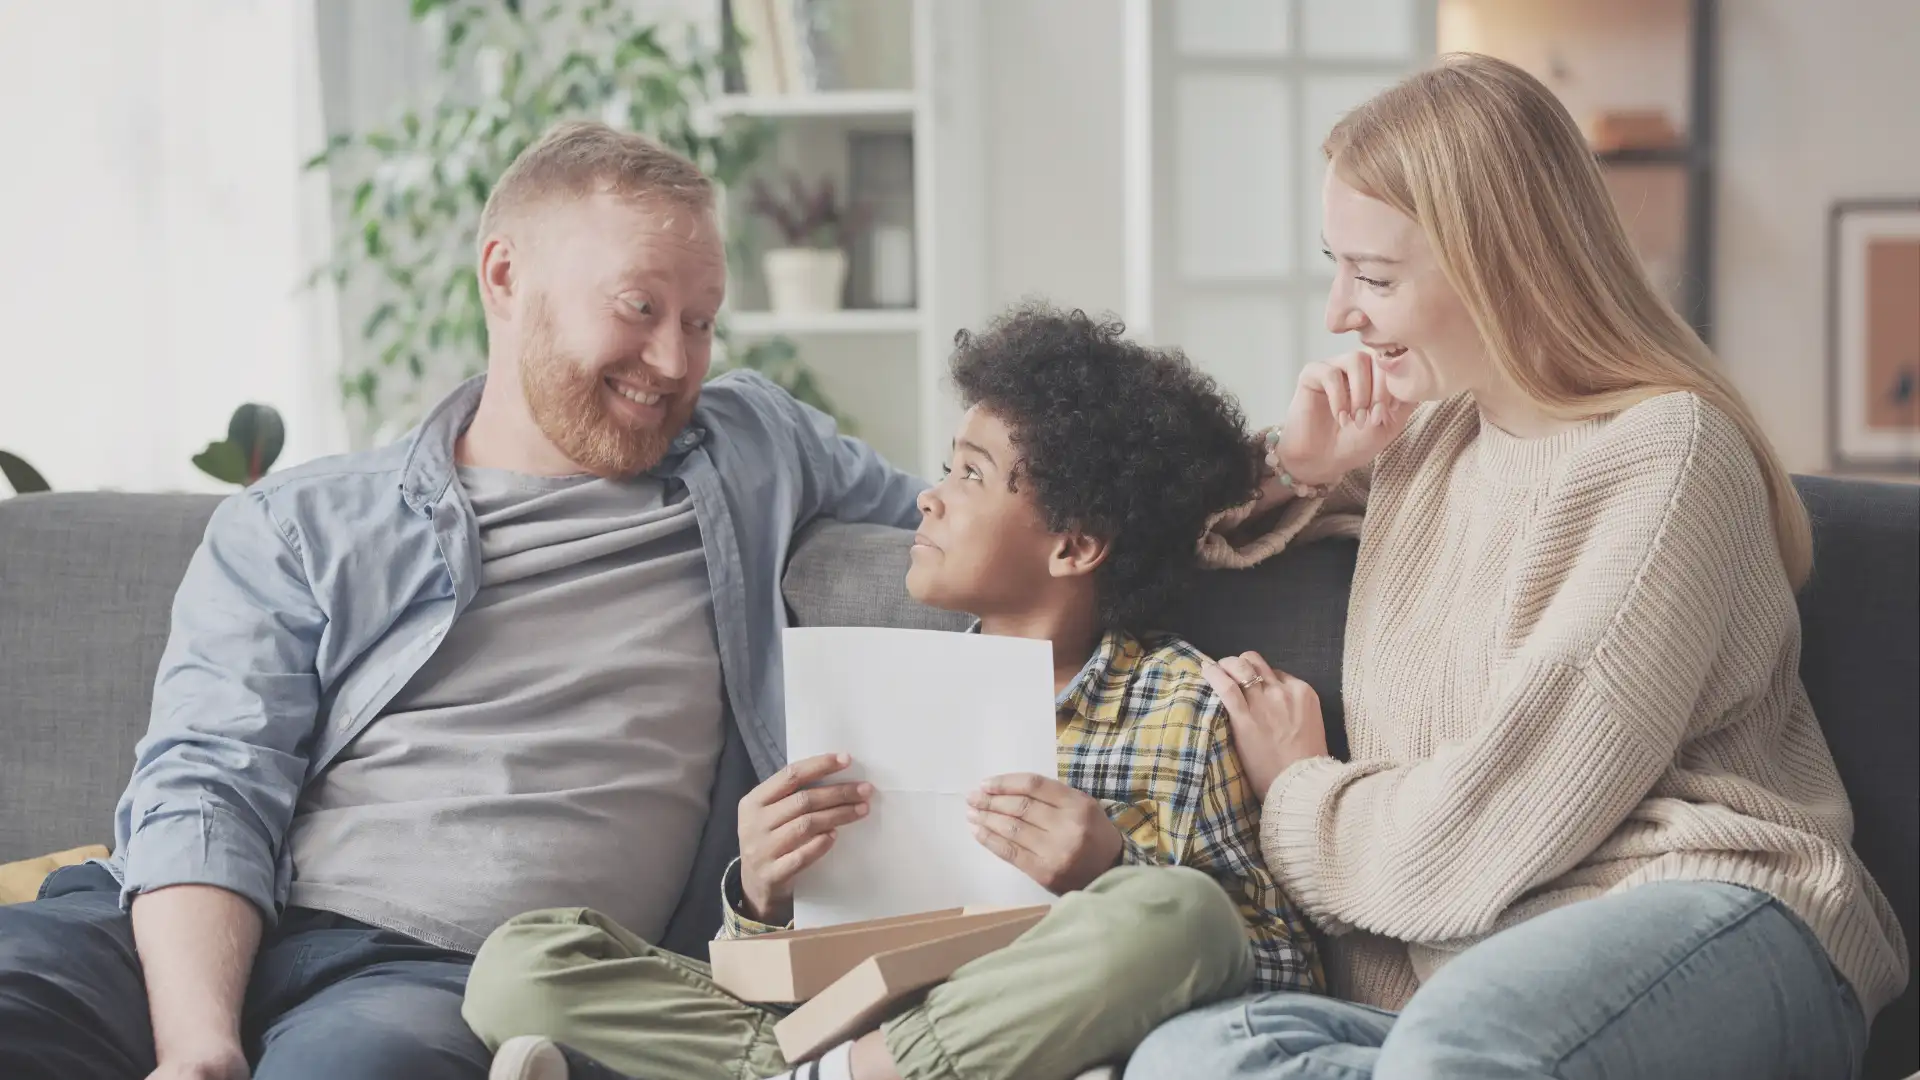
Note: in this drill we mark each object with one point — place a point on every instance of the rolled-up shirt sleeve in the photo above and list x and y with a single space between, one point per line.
235 703
844 478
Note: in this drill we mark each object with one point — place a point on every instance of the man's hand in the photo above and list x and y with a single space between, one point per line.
785 826
1057 834
214 1062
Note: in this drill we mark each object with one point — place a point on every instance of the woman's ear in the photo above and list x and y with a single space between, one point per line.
1075 554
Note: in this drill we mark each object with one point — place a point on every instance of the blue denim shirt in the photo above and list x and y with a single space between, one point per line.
317 593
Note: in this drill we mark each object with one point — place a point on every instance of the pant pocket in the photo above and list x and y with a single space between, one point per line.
273 987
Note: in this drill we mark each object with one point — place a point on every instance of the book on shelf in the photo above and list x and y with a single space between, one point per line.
785 46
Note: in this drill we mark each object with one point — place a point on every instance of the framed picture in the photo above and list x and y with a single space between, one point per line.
1873 326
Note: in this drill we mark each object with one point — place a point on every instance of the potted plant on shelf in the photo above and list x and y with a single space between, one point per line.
808 273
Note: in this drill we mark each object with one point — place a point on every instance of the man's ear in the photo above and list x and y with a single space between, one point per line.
499 277
1076 554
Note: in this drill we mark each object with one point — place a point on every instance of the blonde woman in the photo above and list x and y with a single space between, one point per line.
1590 826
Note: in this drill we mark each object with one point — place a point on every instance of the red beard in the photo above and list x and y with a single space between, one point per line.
568 402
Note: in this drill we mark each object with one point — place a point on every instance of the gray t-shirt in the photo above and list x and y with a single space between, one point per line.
559 747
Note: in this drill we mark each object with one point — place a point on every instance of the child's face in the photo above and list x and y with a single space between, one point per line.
983 547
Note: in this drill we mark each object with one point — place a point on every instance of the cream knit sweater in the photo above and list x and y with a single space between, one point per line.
1571 668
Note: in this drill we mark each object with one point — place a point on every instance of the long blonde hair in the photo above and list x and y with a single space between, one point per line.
1501 180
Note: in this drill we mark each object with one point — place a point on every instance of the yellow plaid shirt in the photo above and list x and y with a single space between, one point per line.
1140 730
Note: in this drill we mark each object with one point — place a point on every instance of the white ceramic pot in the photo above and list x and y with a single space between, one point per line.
803 280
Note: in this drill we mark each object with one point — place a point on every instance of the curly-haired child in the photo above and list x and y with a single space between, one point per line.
1083 472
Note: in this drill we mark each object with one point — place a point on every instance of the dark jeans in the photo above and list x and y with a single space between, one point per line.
329 997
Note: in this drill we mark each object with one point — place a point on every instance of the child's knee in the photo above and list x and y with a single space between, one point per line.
1175 894
1167 919
510 988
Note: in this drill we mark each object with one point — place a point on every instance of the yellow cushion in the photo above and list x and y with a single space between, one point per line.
20 881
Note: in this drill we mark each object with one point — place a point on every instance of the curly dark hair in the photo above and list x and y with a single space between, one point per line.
1116 440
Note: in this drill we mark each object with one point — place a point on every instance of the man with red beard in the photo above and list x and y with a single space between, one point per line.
527 657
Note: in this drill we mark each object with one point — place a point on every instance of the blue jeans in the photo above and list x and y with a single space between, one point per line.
1673 979
329 997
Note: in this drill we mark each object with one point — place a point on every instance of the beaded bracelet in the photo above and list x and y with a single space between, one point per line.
1300 490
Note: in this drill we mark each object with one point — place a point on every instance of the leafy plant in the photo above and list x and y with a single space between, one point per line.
506 73
254 439
779 360
24 478
806 219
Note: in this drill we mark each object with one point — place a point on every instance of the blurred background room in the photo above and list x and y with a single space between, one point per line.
211 204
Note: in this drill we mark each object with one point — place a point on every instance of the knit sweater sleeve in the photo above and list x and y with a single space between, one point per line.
1247 536
1652 576
1240 538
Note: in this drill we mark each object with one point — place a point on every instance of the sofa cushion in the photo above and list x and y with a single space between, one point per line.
856 575
20 881
1860 660
86 587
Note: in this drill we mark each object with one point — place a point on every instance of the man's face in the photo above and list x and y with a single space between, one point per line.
613 326
983 545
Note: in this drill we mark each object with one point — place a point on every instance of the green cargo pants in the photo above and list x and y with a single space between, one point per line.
1082 988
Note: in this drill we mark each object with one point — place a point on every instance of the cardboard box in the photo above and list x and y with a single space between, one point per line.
858 1000
791 966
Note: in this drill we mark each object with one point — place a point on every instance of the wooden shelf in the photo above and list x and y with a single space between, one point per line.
836 104
1657 155
849 321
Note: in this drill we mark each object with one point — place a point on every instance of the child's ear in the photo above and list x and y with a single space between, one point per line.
1075 554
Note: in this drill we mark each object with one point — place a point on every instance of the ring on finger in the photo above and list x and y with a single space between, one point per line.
1251 682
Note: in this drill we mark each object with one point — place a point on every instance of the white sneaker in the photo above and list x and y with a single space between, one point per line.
528 1057
531 1057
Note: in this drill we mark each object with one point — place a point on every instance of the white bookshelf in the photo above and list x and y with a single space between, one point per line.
886 368
834 104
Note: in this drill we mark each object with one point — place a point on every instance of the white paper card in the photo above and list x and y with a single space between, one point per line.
925 716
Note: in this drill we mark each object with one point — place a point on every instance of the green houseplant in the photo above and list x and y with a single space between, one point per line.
255 437
808 271
413 189
22 477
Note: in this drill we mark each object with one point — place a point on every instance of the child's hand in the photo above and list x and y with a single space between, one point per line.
785 826
1058 835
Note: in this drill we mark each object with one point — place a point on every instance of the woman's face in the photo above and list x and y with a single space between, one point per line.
1389 289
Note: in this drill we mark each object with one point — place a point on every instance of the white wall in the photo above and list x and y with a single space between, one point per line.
1818 102
159 233
1053 135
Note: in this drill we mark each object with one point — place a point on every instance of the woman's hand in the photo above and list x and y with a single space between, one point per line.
1341 418
1057 834
1275 717
785 826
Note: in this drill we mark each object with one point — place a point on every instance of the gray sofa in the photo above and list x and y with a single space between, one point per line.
86 581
